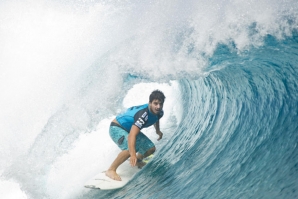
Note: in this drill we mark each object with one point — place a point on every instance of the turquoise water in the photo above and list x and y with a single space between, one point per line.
228 69
238 136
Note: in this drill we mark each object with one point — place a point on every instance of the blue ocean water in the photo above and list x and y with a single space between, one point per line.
238 136
229 71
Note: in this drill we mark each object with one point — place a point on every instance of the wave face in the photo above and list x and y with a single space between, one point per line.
238 136
229 71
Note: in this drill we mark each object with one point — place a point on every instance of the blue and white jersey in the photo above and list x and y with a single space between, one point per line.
139 116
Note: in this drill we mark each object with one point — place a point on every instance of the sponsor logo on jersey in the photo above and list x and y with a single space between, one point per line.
140 123
144 115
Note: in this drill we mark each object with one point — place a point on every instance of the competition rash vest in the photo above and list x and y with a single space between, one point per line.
139 116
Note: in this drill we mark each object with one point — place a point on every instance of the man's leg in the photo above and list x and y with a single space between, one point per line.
145 147
140 157
119 136
148 153
111 172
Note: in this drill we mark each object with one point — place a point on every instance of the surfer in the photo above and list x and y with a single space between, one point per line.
125 132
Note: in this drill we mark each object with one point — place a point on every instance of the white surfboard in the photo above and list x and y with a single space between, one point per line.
126 172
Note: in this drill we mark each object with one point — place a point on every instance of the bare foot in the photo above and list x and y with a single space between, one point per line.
113 175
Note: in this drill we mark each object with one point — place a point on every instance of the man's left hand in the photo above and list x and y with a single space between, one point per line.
160 135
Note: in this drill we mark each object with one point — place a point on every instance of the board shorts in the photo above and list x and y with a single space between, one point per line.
120 137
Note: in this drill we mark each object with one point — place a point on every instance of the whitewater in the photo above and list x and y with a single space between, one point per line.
228 69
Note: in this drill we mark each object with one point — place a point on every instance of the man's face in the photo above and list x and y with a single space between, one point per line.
155 106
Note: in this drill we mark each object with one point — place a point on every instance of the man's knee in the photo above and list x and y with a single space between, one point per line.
151 150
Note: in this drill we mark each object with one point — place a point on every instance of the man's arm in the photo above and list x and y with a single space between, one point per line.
158 132
134 131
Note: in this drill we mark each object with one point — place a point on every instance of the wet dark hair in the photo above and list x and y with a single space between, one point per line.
157 94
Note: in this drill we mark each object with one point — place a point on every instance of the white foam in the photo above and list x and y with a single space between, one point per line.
91 153
11 190
40 44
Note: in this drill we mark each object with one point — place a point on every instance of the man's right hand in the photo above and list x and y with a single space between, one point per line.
133 160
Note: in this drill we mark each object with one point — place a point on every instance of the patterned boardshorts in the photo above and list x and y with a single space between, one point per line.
120 137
